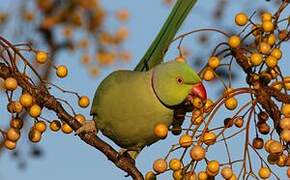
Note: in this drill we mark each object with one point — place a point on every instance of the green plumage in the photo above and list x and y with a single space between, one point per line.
128 104
126 109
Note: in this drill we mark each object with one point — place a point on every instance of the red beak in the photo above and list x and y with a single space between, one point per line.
199 91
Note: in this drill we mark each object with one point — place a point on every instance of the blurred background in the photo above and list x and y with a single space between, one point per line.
94 38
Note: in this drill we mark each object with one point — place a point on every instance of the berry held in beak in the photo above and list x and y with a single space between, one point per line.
199 91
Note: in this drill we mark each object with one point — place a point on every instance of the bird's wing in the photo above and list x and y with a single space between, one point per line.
156 51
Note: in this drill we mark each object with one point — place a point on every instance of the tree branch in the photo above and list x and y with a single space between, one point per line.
45 99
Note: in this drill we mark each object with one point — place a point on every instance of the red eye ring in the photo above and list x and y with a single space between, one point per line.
179 80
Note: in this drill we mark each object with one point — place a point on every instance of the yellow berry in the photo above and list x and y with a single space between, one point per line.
209 138
267 145
160 165
213 62
197 153
122 15
271 39
282 160
272 159
180 59
196 113
61 71
10 84
185 140
197 102
234 177
178 175
283 34
202 175
65 128
161 130
16 123
271 61
288 172
266 16
213 166
277 86
239 122
40 126
80 118
55 125
14 107
256 59
85 59
34 135
84 101
9 144
208 74
241 19
13 134
264 172
190 176
268 26
175 164
285 135
41 57
264 48
227 172
231 103
150 176
26 100
277 53
258 143
287 82
211 174
263 128
285 123
286 110
197 120
35 110
234 41
228 122
275 147
208 105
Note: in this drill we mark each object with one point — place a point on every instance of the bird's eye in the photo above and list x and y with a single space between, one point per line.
179 80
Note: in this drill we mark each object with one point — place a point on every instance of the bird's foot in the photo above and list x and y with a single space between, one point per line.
123 152
128 153
87 127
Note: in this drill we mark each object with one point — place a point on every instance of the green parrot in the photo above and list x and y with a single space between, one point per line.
128 104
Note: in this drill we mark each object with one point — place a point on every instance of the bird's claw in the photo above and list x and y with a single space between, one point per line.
122 152
87 127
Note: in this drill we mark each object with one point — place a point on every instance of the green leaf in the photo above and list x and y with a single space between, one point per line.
157 50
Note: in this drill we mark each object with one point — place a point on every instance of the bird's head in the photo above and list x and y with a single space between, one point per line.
175 83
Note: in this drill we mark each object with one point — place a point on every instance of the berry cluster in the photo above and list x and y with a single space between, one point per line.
257 51
21 101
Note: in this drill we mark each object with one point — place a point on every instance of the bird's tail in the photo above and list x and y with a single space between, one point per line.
156 51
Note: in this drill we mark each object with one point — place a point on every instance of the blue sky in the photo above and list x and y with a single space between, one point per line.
66 156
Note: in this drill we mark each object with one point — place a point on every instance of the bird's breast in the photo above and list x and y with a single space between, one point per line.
127 109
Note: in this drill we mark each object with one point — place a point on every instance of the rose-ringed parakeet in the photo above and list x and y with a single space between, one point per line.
128 104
